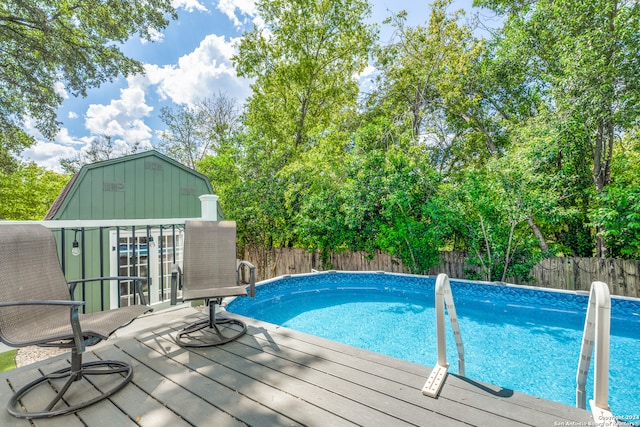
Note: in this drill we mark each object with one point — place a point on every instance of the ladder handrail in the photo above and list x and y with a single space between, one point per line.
439 372
596 333
444 296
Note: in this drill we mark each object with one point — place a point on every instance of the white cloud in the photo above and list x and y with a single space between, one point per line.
189 5
155 36
64 138
200 73
367 72
246 8
122 117
48 154
59 89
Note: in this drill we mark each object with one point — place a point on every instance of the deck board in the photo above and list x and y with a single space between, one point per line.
237 375
275 376
517 408
133 399
196 398
363 405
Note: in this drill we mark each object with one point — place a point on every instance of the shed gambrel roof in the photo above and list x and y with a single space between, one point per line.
138 186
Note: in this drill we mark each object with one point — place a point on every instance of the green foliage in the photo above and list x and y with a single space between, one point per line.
619 213
76 43
28 192
583 58
619 205
382 200
413 228
464 144
304 62
424 78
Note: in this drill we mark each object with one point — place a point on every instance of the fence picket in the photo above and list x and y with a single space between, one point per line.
557 273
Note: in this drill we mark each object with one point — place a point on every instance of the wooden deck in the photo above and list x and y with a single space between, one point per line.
277 377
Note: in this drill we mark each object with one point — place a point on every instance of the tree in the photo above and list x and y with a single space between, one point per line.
29 192
585 57
199 131
492 222
432 85
70 42
413 63
101 148
511 210
619 207
304 63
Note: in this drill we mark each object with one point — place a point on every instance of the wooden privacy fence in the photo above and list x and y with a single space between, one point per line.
622 276
279 261
578 273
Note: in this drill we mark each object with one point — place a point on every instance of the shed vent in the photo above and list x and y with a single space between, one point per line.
156 166
113 187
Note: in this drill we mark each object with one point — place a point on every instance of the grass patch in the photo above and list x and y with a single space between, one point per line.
8 360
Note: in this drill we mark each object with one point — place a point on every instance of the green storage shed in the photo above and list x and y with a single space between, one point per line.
142 185
144 188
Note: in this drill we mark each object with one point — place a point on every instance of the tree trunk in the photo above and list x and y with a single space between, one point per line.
602 156
486 241
536 232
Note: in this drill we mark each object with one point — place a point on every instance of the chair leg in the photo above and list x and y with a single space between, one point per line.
76 372
215 336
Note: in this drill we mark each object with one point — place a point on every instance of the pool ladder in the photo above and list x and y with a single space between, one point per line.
439 373
596 333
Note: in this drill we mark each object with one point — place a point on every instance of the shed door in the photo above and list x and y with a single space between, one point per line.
139 256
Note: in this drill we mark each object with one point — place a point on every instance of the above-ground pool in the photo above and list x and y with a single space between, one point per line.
516 337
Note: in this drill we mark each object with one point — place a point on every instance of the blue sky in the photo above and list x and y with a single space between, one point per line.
188 61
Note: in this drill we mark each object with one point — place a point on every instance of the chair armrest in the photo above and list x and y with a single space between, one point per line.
176 283
42 302
73 316
252 276
136 283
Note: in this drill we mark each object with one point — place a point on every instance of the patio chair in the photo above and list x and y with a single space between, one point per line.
210 273
37 308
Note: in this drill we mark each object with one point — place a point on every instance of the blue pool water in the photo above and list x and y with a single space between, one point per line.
519 338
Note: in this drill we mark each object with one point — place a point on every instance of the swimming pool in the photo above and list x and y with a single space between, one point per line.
517 337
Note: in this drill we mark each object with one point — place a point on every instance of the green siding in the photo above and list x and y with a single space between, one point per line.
146 185
173 188
72 266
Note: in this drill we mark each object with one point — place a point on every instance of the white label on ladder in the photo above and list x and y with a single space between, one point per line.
435 381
